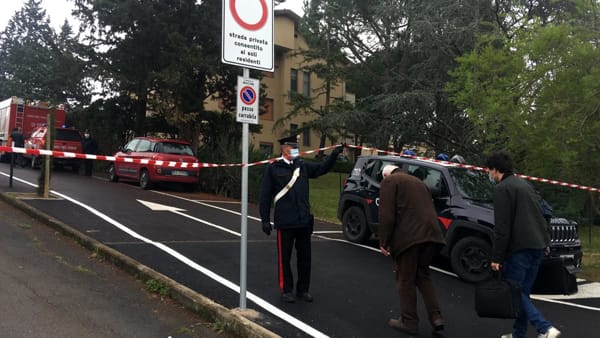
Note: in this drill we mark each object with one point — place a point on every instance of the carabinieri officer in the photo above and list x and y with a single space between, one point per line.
285 184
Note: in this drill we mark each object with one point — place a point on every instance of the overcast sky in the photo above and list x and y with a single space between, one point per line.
59 10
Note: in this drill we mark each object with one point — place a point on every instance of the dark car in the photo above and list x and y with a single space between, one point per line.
65 140
166 154
463 201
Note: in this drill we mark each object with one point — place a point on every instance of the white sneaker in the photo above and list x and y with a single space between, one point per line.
509 335
551 333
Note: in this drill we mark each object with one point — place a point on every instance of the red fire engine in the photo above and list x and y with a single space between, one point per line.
26 116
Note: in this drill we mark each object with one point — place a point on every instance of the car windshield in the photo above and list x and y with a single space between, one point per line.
68 135
473 184
174 148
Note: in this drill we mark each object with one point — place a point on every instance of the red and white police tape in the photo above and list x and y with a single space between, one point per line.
174 164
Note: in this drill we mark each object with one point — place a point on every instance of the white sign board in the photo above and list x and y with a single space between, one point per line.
247 39
247 100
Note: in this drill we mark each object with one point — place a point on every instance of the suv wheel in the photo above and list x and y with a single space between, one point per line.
112 174
355 225
145 182
470 259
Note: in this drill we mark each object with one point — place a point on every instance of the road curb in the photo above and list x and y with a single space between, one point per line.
231 321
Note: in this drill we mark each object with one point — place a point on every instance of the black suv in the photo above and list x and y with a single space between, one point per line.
463 201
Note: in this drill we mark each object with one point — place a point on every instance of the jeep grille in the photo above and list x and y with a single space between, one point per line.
563 230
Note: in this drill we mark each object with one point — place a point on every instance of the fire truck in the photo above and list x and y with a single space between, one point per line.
27 116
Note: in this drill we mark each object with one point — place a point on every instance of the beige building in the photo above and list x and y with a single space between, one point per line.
289 76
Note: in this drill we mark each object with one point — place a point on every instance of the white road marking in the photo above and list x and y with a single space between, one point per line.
224 202
584 290
232 286
161 207
587 292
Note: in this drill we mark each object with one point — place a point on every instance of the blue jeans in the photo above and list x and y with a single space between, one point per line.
522 267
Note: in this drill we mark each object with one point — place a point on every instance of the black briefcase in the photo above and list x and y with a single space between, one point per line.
498 298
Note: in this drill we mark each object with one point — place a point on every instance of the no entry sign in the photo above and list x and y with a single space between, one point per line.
247 39
247 100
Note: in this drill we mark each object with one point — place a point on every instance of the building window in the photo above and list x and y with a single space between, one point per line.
266 148
293 129
268 107
294 80
306 137
306 84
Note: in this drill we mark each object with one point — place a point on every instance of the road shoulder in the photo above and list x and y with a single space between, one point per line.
231 322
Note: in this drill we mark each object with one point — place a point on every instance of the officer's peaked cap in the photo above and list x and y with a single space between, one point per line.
289 140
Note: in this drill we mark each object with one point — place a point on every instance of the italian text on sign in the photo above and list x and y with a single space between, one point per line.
247 100
247 39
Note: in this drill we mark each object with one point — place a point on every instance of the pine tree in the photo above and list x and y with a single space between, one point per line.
26 53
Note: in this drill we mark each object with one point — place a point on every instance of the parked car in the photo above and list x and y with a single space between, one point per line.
66 139
156 149
463 201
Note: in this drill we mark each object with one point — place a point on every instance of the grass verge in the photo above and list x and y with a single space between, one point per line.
325 195
591 252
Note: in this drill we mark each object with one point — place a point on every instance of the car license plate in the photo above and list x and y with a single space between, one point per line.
179 173
567 256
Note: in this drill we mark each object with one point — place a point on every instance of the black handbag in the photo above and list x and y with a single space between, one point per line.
498 298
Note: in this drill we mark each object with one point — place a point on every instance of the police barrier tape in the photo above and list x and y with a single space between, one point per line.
174 164
461 165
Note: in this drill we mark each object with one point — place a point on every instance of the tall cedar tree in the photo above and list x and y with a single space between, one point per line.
26 54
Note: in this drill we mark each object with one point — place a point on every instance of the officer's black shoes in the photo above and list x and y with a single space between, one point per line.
288 297
305 296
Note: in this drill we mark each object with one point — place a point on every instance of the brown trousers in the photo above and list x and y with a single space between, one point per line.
412 272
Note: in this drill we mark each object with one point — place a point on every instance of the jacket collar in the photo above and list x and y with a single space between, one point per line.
507 175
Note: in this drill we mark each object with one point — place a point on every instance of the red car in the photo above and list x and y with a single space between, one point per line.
156 149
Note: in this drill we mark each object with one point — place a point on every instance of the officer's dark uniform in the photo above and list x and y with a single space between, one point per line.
292 218
90 146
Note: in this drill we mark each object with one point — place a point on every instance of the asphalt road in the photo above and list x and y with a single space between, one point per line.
197 243
52 287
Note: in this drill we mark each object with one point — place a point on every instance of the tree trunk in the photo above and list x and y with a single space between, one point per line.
140 113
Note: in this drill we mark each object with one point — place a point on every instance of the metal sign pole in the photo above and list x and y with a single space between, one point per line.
244 226
236 29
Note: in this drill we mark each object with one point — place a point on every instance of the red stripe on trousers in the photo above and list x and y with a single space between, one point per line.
279 260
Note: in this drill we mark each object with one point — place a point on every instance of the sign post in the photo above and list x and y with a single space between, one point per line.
247 41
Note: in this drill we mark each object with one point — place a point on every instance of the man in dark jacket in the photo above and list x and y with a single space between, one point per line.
18 141
90 146
409 232
285 184
520 239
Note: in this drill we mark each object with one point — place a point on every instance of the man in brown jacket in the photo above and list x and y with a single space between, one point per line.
409 232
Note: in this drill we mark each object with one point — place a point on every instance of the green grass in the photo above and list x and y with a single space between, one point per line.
325 195
591 252
157 287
